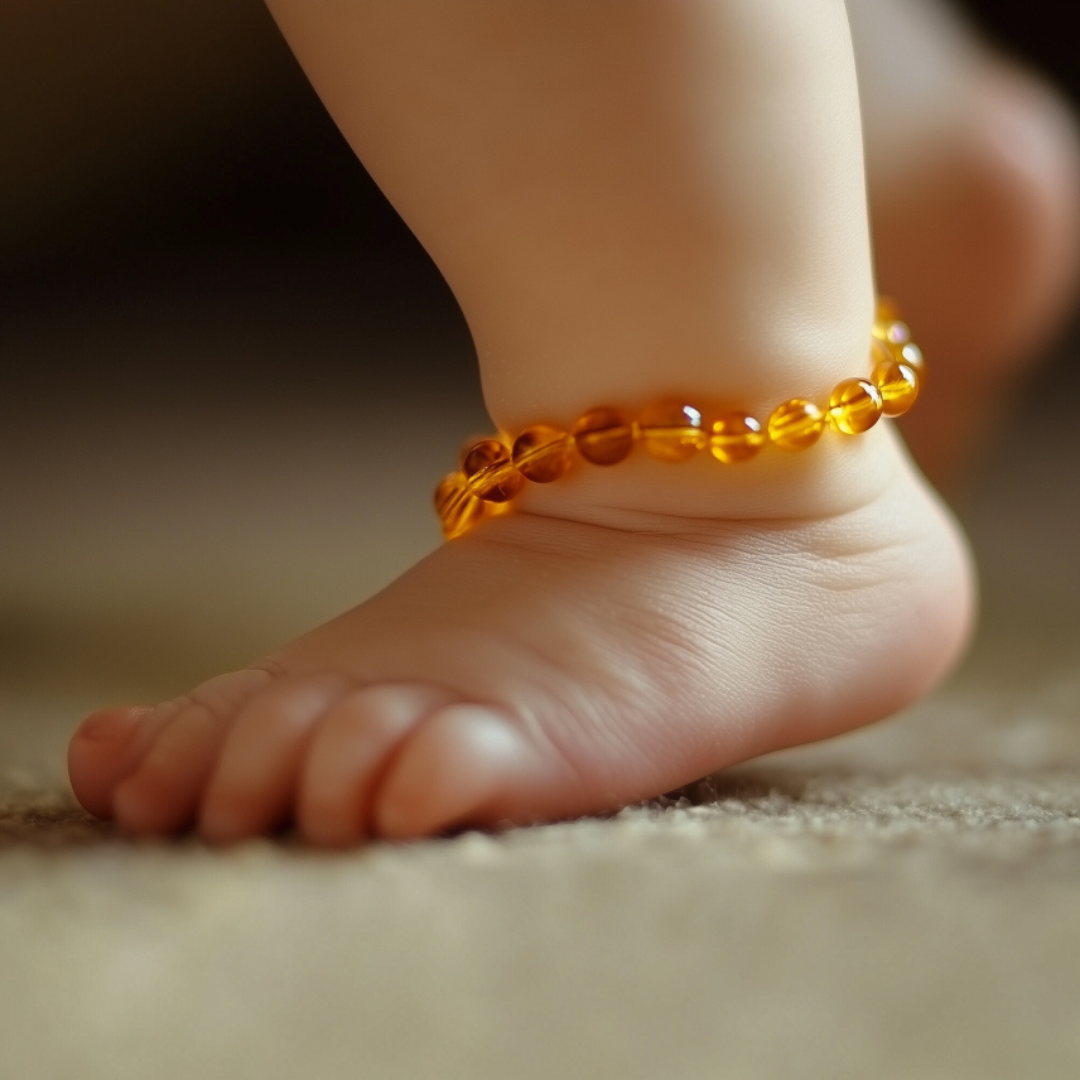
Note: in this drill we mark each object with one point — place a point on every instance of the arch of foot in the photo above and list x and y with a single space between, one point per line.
495 470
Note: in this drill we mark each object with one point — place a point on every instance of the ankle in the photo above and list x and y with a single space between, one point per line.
839 475
784 481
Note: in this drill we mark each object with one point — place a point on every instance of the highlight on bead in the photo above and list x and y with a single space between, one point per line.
855 406
912 355
494 471
899 386
672 430
796 425
736 437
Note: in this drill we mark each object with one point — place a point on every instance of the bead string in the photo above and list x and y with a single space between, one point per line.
493 471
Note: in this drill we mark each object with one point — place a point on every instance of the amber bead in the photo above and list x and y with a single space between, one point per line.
604 436
895 333
457 507
542 454
672 431
796 425
887 310
855 406
490 473
736 437
912 355
899 386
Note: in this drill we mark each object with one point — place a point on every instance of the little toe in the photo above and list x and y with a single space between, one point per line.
103 750
349 750
254 781
465 765
110 744
109 747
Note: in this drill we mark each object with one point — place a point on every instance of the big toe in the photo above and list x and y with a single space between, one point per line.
467 765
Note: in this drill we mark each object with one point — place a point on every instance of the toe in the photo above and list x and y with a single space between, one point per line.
254 782
348 753
163 768
465 765
101 753
161 794
108 748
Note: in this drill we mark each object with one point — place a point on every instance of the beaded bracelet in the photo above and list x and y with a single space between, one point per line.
494 471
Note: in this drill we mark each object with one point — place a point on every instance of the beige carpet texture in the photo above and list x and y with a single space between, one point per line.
902 902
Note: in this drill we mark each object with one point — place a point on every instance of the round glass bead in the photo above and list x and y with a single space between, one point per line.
887 310
489 472
672 431
796 425
542 454
912 355
899 386
855 406
892 331
736 437
457 507
603 436
897 334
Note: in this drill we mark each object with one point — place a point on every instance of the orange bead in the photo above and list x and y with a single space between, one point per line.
457 507
672 431
796 425
887 310
736 437
899 386
855 406
542 453
894 343
490 473
912 355
603 436
895 332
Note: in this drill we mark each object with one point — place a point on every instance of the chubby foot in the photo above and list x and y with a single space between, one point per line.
557 662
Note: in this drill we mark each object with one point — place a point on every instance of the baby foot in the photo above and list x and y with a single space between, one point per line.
647 220
974 180
589 651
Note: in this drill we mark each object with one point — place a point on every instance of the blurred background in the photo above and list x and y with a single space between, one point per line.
231 375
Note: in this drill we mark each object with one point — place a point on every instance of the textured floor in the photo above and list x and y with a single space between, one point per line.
904 902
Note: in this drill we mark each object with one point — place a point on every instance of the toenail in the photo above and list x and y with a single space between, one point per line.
112 725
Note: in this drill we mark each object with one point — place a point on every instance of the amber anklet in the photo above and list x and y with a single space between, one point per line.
494 471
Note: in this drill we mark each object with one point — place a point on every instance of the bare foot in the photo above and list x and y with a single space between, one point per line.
546 666
974 177
629 201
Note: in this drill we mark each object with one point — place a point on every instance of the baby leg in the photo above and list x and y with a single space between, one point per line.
631 201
